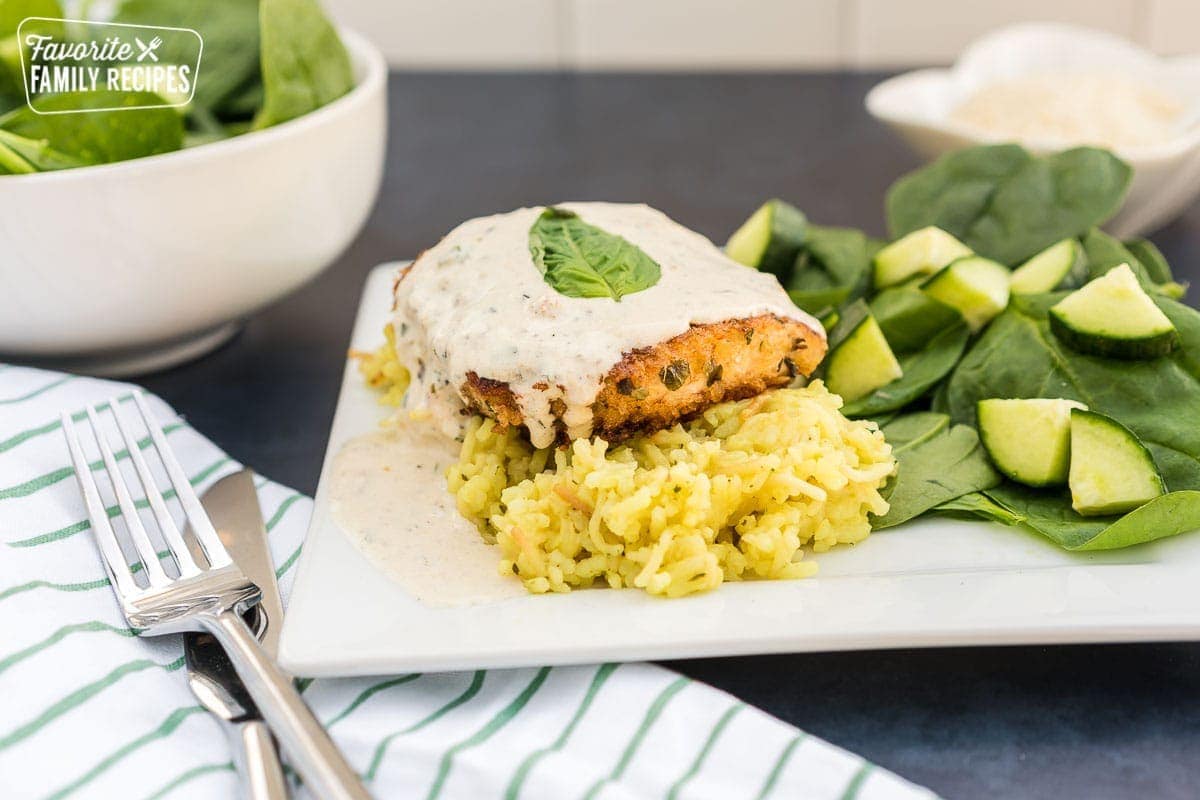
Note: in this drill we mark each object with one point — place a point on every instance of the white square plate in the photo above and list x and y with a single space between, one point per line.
933 582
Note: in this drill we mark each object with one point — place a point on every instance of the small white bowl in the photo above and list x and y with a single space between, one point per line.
1166 176
129 267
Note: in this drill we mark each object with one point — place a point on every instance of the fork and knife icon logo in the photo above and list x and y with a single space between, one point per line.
147 50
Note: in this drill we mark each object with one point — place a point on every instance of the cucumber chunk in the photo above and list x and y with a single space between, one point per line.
976 286
909 318
921 252
1111 470
1028 440
1059 266
771 239
1113 316
860 359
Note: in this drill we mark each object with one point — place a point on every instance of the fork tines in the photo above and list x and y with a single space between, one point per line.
115 562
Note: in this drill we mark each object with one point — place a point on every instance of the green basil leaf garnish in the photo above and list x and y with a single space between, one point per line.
581 260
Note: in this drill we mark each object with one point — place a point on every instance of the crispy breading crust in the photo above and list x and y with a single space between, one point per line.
654 387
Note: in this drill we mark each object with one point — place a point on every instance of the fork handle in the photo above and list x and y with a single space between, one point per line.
257 760
313 753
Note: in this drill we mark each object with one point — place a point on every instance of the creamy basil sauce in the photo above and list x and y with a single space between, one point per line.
475 302
388 495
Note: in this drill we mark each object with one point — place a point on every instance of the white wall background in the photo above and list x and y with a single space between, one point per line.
730 34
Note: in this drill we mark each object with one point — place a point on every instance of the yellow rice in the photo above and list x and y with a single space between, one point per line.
382 370
737 493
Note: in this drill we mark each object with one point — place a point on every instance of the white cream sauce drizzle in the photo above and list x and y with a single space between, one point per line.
389 496
476 302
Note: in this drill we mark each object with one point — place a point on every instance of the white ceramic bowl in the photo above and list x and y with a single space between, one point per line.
128 267
1166 176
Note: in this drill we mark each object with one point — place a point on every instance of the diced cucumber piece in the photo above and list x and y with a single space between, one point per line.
771 239
1028 440
860 360
1111 470
909 318
921 252
1059 266
1113 316
976 286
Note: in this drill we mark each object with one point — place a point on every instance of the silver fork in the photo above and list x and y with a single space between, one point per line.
204 597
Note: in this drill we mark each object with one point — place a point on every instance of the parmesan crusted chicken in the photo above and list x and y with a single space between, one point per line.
654 387
491 321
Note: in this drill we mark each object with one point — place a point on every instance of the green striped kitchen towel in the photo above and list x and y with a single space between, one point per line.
87 710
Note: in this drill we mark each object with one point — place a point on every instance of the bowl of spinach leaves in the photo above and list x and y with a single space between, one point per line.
141 236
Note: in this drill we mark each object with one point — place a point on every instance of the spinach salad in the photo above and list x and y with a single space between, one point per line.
1027 367
264 62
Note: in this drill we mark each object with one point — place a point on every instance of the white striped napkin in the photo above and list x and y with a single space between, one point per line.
89 710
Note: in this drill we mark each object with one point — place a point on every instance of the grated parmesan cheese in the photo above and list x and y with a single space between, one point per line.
1066 109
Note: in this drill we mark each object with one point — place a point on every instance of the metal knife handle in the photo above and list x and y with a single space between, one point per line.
312 752
257 760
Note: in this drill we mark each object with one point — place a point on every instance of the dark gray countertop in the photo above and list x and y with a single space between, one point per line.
1029 722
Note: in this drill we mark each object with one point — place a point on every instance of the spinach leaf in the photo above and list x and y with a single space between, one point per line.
12 162
99 137
9 101
1103 252
1007 204
1050 514
833 268
979 506
12 12
884 419
1018 356
817 301
229 29
581 260
933 469
906 431
922 370
952 192
244 102
1151 259
19 155
304 63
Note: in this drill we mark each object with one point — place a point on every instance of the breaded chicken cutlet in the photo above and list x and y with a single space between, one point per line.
654 387
483 327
